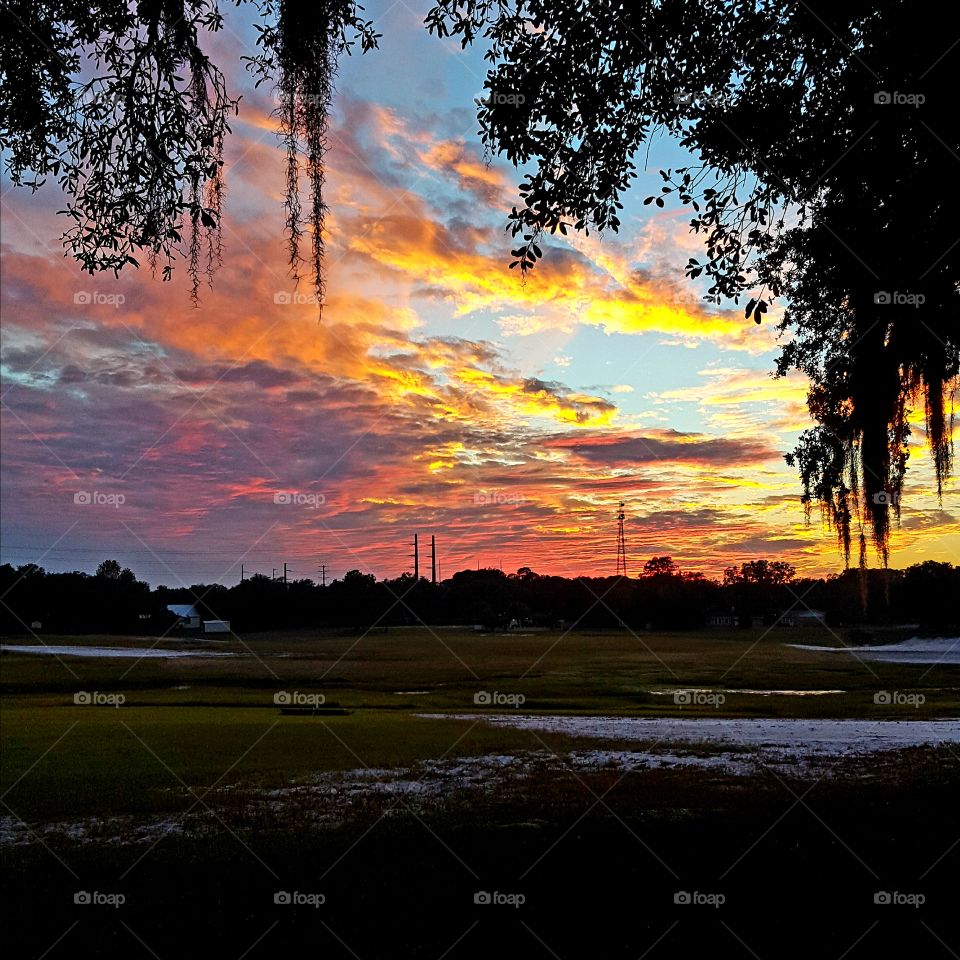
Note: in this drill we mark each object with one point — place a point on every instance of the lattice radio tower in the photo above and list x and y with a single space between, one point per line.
621 543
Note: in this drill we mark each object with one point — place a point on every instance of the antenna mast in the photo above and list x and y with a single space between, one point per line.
621 543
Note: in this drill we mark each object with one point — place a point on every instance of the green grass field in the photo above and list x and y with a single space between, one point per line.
196 719
210 728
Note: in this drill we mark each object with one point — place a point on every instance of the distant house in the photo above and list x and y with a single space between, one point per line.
216 626
722 618
802 618
188 616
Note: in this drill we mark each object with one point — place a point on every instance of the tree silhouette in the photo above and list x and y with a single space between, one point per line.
109 570
135 137
661 567
775 572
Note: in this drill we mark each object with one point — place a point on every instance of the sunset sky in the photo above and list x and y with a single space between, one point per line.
440 394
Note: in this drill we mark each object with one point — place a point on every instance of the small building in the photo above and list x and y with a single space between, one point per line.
802 618
722 618
188 616
810 618
216 626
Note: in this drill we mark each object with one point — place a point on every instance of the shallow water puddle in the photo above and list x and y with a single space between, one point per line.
915 650
119 653
798 738
746 692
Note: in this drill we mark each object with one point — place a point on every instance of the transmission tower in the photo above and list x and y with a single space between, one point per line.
621 543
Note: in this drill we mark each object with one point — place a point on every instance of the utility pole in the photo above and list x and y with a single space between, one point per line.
323 574
433 559
416 558
285 575
241 573
273 576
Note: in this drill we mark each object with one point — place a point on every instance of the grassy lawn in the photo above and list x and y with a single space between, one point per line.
144 759
612 672
202 722
597 856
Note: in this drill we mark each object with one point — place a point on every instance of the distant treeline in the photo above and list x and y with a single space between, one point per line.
759 592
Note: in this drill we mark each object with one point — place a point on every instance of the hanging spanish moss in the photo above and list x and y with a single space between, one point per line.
206 182
876 352
307 57
138 146
854 462
301 41
118 102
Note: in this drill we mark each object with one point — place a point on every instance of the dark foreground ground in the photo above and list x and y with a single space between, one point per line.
577 866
